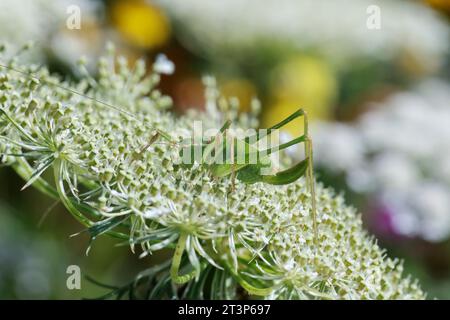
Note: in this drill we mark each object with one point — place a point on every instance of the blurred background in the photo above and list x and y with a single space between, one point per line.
373 75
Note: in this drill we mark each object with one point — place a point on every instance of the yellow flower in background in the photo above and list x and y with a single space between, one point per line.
140 23
302 82
242 89
443 5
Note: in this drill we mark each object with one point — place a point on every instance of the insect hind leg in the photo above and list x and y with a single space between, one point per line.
310 181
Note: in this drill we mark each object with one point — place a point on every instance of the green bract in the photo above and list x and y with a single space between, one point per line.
259 236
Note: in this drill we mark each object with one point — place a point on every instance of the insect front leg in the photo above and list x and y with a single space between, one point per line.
225 144
155 137
152 140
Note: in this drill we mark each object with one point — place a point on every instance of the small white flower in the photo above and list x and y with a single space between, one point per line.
163 65
154 213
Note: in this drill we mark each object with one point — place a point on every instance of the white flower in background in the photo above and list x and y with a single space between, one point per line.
394 171
341 153
336 27
400 154
43 22
22 21
432 200
69 44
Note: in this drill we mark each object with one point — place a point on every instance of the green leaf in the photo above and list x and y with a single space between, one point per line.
106 225
44 164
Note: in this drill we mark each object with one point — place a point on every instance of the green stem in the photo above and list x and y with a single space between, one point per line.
251 289
176 261
254 291
58 167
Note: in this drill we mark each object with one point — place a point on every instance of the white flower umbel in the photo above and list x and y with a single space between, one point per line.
400 152
257 236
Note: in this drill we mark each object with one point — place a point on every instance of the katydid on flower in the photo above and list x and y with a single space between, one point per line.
246 171
227 150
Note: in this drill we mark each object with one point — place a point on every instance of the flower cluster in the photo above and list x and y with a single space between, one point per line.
400 153
261 236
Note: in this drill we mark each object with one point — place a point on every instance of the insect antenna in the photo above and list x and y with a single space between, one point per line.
34 77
